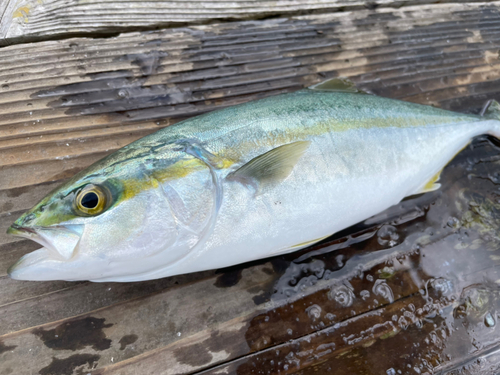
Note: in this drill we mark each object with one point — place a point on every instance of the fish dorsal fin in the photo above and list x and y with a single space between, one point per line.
337 85
272 167
491 110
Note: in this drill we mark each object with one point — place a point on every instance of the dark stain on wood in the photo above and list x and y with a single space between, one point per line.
127 340
219 341
120 95
148 62
5 348
76 334
229 277
371 5
67 366
14 193
195 355
280 265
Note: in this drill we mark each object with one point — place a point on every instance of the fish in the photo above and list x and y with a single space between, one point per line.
247 182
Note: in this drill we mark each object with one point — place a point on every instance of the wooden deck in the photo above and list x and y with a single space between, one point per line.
414 290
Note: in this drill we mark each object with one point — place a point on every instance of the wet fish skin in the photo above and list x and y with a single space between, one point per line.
243 183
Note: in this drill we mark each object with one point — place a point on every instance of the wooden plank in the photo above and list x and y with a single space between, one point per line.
27 20
177 311
357 345
47 298
98 94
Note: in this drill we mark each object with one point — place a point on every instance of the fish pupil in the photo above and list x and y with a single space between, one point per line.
90 200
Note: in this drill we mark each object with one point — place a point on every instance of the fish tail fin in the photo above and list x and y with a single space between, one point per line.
491 110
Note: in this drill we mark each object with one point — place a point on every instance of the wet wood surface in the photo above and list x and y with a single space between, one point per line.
413 290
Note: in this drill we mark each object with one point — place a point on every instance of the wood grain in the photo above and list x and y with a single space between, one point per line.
27 20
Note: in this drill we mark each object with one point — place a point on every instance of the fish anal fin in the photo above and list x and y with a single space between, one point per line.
431 185
337 85
271 167
299 246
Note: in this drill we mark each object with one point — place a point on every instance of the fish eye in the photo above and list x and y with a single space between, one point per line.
91 200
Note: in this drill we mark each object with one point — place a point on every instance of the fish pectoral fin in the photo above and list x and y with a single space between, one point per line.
491 110
272 167
337 85
431 185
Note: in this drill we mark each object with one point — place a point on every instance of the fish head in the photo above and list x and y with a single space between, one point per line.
102 225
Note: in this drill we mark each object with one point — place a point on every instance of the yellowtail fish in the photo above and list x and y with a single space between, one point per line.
247 182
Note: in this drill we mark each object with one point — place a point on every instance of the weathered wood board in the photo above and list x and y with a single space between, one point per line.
413 290
28 20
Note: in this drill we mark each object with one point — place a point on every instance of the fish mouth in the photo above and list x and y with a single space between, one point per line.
28 233
59 244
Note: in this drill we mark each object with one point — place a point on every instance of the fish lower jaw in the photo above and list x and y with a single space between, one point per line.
26 267
40 265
